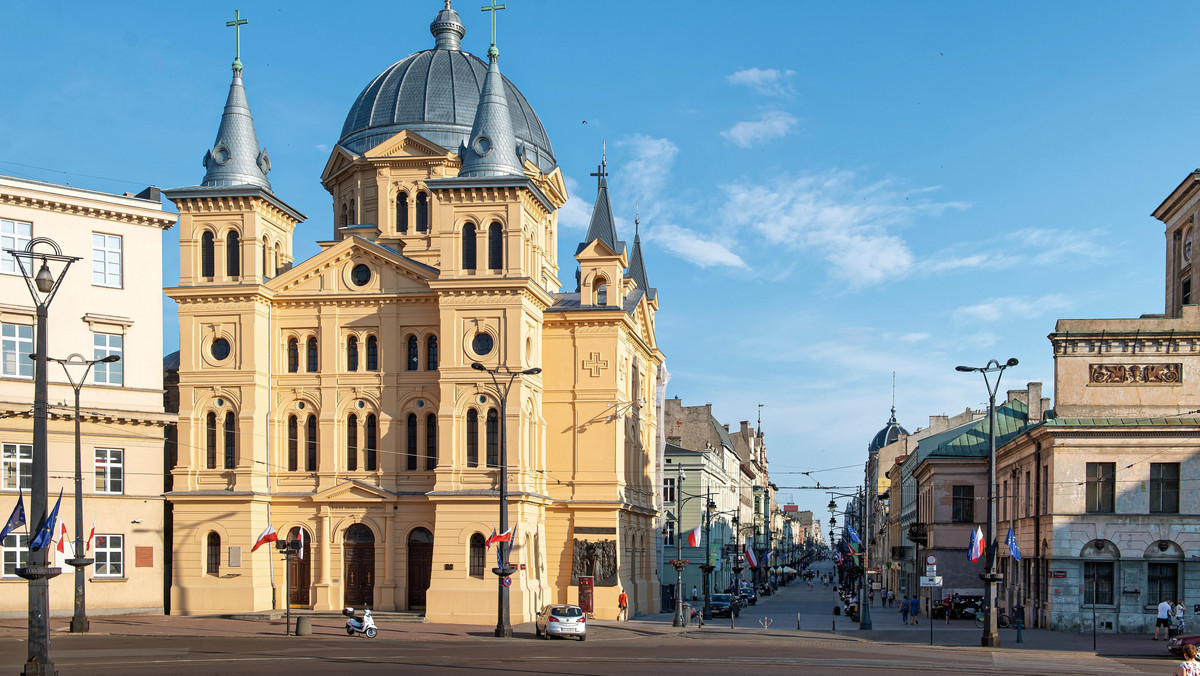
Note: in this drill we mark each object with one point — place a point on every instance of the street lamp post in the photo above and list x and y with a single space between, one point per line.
864 615
43 285
79 621
990 638
503 622
707 567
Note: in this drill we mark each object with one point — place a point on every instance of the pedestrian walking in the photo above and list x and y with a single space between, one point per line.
694 594
891 598
904 609
871 598
1189 666
915 610
1165 610
622 607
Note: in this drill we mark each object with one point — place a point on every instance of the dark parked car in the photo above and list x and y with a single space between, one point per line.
1176 644
724 605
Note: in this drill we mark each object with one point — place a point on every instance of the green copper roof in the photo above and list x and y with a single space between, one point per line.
1180 421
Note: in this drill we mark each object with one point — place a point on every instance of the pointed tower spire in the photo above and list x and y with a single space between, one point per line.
602 226
637 266
235 157
893 418
493 148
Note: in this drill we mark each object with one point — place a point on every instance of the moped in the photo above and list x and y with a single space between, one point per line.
363 625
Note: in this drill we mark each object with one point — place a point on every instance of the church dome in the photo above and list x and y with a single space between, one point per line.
889 434
435 93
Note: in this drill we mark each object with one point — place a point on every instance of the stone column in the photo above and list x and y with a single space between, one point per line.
323 601
388 601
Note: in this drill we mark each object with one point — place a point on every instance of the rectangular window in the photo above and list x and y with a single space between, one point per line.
1028 494
1098 583
13 235
1186 292
669 538
669 490
16 466
106 344
963 504
15 554
1101 486
1164 488
1045 489
106 260
110 556
16 344
1004 501
110 470
1161 581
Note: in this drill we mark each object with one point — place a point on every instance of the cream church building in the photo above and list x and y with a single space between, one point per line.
337 395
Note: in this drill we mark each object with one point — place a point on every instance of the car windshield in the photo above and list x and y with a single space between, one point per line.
722 598
566 611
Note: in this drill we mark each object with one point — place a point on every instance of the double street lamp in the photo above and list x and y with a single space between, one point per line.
990 638
679 564
503 623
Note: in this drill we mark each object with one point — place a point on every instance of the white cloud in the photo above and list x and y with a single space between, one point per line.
765 81
649 164
576 214
322 147
1029 246
1012 307
769 125
915 337
693 247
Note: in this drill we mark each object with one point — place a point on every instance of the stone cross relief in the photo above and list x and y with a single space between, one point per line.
595 363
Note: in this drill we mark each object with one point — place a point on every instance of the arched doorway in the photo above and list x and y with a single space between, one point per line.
359 566
300 572
420 566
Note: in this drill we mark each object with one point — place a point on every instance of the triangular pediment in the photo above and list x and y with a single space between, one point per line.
353 491
644 321
598 249
330 272
552 184
407 144
339 160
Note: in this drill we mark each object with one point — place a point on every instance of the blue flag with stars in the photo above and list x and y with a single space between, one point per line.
1011 541
17 519
45 531
852 533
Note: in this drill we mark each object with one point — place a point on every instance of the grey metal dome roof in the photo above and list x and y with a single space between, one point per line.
435 93
889 434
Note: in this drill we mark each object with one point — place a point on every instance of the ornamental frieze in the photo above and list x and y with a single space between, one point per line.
1133 374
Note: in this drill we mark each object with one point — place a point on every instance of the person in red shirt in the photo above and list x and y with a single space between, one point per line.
622 607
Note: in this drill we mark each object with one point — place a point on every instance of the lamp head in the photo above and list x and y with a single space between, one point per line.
477 366
964 369
111 358
44 280
1011 362
532 372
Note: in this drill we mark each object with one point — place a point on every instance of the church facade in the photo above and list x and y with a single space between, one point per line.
348 397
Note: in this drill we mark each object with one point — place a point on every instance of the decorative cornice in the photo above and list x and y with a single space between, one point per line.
75 209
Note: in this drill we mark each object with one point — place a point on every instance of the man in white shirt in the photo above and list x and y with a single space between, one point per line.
1163 622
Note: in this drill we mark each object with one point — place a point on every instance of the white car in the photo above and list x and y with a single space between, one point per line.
562 620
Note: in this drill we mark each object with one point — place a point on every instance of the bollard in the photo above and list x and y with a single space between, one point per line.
797 621
731 621
1020 626
304 625
834 629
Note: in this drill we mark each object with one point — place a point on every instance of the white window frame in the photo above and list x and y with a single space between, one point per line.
103 345
669 490
669 538
16 460
13 236
14 553
110 470
105 547
14 350
107 267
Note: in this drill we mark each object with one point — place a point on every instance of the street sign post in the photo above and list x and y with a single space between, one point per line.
931 571
931 581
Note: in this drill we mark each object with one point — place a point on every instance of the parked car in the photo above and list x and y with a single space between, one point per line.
1175 645
724 605
746 591
561 620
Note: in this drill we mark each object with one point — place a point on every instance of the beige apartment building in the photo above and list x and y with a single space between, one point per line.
110 303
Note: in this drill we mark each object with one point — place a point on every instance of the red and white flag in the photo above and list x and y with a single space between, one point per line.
64 548
268 534
91 535
694 537
751 558
300 538
506 536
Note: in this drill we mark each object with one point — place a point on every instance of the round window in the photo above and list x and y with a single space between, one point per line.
482 344
483 145
360 275
220 349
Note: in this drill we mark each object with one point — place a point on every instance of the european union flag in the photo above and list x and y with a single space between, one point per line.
45 530
17 519
1011 541
853 534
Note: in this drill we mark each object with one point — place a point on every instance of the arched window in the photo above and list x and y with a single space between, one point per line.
293 458
230 441
311 354
345 214
208 255
372 353
412 353
233 265
352 443
310 442
468 247
214 555
472 438
422 212
293 355
402 212
495 247
266 250
372 435
431 355
352 353
211 440
493 438
411 455
478 554
431 442
601 294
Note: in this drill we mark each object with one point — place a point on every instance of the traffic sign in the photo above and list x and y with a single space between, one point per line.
507 581
931 560
931 581
931 570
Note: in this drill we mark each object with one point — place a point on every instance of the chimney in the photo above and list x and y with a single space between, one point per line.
1037 405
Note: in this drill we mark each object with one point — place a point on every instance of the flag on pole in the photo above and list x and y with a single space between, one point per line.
17 519
300 538
91 535
45 529
268 534
852 533
1013 550
975 548
65 549
506 536
751 558
694 537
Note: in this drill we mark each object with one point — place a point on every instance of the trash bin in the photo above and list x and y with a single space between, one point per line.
837 610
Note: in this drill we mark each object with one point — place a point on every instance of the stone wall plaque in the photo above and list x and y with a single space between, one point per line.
595 559
1135 374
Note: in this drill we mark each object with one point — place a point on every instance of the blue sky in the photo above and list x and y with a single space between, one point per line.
829 192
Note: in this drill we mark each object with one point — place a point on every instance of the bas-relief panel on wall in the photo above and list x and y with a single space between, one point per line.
1132 374
598 559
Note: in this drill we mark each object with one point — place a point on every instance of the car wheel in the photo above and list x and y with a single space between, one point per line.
538 631
583 637
546 635
372 632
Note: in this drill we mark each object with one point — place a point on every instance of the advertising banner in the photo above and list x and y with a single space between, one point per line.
586 585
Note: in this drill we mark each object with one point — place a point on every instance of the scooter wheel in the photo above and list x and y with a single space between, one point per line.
349 631
372 632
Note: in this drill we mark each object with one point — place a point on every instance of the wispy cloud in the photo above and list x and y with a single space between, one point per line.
694 247
648 166
1028 246
577 212
765 81
1012 307
769 125
915 337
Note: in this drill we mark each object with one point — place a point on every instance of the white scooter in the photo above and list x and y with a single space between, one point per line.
363 625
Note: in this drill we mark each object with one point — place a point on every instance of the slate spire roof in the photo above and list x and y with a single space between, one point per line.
602 226
235 157
637 267
492 149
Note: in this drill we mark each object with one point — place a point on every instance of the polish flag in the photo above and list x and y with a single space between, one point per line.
751 558
90 536
506 536
975 548
268 534
64 548
300 538
694 537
